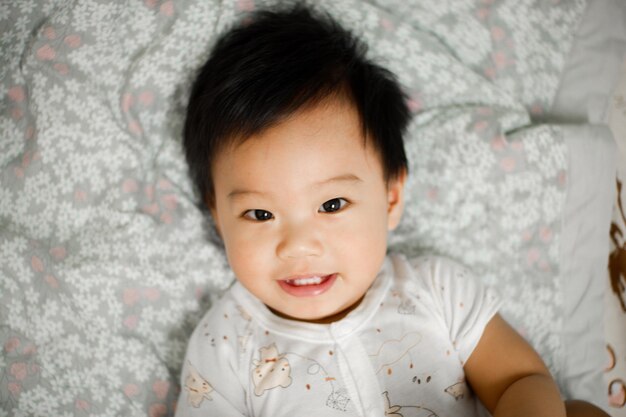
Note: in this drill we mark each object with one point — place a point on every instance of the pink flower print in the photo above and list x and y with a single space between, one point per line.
73 41
480 126
29 133
12 344
170 201
386 24
17 113
131 322
167 8
62 68
19 172
536 109
14 388
482 13
130 296
167 218
131 390
517 146
499 58
497 33
81 405
149 192
37 264
533 256
146 98
157 410
130 186
545 233
561 178
19 371
26 159
151 294
151 209
80 196
51 281
33 368
484 111
161 388
135 128
245 5
50 33
16 93
508 164
432 194
164 184
127 102
29 349
150 3
414 104
58 253
498 143
45 53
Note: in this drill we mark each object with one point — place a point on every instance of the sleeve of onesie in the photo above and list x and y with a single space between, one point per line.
210 385
466 304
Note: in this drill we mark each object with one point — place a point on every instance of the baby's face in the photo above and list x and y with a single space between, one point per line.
303 210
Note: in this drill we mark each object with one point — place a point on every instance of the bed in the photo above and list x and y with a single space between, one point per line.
517 149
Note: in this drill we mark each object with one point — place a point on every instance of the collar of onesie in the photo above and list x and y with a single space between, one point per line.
314 332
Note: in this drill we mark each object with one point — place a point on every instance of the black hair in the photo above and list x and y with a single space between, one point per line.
275 63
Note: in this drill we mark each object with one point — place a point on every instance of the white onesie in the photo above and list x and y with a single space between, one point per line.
399 353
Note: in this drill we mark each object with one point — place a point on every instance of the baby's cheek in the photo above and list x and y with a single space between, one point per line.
242 255
365 241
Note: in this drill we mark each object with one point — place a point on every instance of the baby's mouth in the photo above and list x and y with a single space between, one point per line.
314 280
308 286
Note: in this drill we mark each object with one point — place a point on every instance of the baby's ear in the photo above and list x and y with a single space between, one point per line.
395 200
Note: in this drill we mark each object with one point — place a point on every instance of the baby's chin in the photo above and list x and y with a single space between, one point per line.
320 318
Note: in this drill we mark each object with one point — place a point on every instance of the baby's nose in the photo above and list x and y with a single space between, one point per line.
299 241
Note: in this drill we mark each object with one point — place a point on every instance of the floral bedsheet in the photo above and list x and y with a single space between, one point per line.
106 263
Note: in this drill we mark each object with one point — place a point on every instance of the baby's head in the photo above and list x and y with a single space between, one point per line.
294 140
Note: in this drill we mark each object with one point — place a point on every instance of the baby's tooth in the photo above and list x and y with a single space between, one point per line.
307 281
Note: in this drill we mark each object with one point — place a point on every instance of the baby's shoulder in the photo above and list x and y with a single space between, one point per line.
428 271
436 278
223 322
443 281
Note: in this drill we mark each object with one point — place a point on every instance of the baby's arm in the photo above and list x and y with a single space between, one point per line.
510 378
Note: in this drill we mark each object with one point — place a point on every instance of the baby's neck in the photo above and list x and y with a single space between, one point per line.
323 320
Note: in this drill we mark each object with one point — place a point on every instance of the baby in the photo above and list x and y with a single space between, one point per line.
294 139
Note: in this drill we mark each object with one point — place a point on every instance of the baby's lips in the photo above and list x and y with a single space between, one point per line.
309 286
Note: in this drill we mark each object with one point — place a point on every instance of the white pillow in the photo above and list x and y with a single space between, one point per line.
593 67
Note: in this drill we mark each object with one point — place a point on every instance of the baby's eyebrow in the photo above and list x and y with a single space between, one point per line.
238 193
339 178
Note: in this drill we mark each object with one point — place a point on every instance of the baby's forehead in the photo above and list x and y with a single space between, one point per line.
334 114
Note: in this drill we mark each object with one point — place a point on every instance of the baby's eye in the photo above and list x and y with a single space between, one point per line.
333 205
258 215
